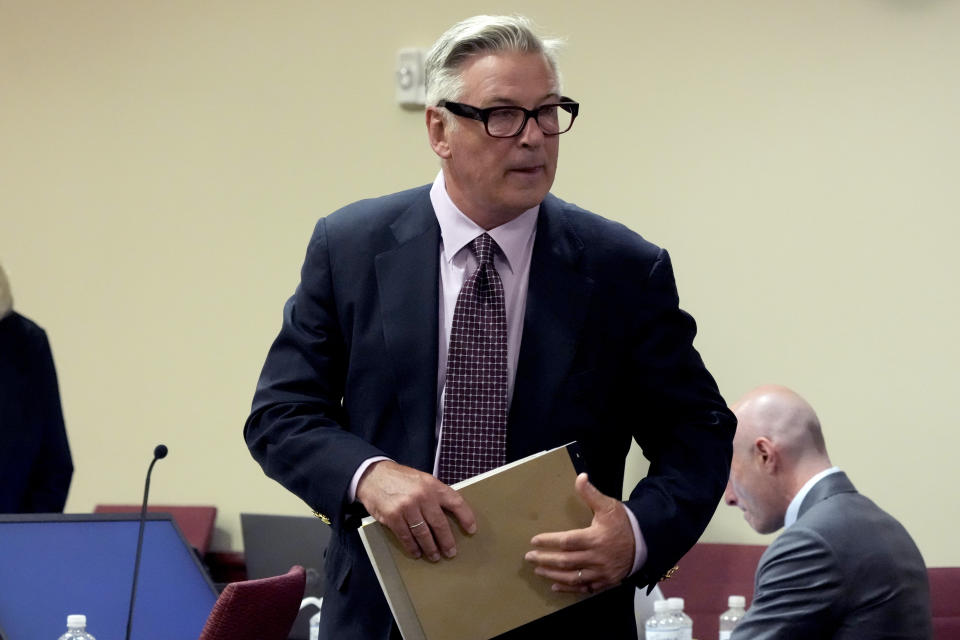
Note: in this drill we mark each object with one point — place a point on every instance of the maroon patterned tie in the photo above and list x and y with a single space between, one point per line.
474 433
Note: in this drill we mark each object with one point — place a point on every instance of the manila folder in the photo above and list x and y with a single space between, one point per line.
488 588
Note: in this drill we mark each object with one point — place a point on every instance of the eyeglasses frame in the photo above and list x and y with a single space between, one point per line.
483 115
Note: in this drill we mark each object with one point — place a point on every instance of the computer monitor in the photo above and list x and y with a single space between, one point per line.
53 565
273 543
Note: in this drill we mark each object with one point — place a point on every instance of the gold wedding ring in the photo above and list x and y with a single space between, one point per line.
414 526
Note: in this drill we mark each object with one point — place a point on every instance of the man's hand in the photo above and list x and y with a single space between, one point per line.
412 504
591 559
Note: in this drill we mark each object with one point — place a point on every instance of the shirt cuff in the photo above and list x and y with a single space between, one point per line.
639 546
352 491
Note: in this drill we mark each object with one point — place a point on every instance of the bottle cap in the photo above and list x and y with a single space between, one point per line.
676 604
659 606
76 620
738 602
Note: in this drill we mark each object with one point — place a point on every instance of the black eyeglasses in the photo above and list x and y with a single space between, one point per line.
507 122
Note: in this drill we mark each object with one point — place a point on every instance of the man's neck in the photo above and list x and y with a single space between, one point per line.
482 217
487 220
793 508
803 472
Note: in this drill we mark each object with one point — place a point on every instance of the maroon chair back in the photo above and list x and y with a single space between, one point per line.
707 575
945 602
263 609
196 522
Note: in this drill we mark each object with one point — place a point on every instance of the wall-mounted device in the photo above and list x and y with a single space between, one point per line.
410 82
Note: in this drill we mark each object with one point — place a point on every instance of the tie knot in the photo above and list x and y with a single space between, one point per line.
483 246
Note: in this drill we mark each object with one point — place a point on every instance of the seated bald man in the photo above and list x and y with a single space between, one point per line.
842 568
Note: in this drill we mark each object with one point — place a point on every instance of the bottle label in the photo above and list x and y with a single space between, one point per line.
725 635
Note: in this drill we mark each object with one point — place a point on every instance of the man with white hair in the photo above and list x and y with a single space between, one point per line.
843 568
445 330
35 462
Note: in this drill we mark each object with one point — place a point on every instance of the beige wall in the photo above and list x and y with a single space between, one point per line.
162 165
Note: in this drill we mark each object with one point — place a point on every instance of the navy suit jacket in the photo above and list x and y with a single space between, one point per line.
844 570
606 356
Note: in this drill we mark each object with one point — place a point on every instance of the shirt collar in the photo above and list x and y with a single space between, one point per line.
457 230
793 511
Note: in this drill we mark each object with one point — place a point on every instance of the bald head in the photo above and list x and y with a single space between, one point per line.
777 448
783 417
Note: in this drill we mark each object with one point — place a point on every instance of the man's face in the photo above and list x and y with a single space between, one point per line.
752 488
493 180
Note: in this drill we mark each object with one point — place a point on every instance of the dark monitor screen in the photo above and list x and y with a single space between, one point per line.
53 565
273 543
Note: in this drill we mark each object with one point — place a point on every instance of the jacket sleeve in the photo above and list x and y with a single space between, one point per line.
682 425
51 475
798 583
297 428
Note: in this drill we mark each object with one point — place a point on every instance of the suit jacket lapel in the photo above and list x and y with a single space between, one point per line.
558 297
407 280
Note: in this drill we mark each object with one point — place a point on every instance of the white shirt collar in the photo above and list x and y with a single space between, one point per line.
457 230
793 511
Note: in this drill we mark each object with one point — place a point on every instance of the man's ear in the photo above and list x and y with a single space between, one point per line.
437 131
766 453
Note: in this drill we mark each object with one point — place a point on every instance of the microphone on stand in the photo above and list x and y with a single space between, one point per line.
159 452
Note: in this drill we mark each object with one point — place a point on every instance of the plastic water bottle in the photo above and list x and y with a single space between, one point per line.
661 625
76 628
683 621
731 617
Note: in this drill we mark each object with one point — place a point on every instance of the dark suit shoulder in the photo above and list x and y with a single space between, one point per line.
371 226
594 228
16 324
602 245
21 335
843 518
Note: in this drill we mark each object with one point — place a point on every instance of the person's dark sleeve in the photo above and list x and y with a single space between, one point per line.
296 428
684 428
50 476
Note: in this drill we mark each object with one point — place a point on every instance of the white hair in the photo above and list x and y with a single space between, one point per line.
480 35
6 298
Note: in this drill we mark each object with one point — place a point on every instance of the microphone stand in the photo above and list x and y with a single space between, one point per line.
159 452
